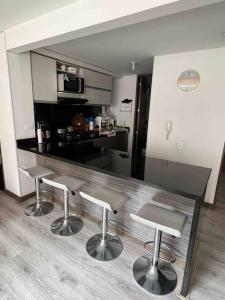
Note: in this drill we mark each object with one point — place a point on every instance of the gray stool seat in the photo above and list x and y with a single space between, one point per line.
67 225
40 207
104 246
153 274
37 172
66 183
105 198
168 221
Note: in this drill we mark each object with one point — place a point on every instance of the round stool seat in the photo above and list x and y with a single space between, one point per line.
153 274
41 207
104 246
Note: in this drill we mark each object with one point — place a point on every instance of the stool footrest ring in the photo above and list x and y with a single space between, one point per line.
166 254
114 223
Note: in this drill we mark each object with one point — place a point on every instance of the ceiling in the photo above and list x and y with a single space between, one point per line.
14 12
197 29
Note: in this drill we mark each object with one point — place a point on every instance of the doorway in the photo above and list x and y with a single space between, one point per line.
220 189
2 185
141 117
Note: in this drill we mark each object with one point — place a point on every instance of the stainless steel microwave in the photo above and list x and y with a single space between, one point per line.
70 84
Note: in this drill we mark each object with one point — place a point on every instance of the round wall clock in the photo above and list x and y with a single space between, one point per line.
188 81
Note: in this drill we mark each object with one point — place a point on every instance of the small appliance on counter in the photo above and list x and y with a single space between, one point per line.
105 122
98 122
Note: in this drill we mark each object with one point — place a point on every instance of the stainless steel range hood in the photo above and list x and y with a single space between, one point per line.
71 98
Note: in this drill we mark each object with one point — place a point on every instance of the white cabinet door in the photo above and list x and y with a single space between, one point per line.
96 96
44 78
98 80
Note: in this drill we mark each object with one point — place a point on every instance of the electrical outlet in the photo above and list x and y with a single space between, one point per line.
29 126
180 145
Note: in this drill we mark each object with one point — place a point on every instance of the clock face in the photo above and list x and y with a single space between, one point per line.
188 81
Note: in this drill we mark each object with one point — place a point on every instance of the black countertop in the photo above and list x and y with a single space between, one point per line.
108 155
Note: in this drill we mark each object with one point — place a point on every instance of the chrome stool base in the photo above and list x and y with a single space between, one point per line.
38 210
159 280
104 250
66 227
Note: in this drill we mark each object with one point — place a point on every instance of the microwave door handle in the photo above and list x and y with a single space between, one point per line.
80 85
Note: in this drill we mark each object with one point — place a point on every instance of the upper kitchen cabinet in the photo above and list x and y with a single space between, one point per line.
44 78
97 96
97 80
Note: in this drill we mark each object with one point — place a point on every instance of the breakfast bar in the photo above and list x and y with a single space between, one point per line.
167 184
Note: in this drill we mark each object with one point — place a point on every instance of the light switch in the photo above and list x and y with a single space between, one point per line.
29 126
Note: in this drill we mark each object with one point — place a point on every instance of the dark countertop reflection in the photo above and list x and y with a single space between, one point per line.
108 155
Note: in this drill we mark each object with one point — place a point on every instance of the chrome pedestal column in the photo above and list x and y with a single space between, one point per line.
104 246
155 276
40 208
67 225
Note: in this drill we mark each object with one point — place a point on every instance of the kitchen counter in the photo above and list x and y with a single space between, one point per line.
108 155
105 161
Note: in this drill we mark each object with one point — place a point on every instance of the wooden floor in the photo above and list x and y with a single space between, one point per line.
35 264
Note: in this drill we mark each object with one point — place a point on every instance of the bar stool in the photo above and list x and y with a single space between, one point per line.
153 274
67 225
104 246
40 207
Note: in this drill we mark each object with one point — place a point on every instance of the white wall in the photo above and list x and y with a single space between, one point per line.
16 109
198 117
22 95
23 111
7 129
123 88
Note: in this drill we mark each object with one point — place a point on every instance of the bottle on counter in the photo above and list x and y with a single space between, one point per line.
39 133
47 132
91 124
87 123
98 122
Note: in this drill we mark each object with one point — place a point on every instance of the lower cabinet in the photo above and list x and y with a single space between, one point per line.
97 96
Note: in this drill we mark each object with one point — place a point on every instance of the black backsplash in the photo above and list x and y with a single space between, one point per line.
60 116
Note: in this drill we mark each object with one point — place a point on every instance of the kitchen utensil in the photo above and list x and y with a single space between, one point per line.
48 134
72 70
63 67
70 129
61 130
39 136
